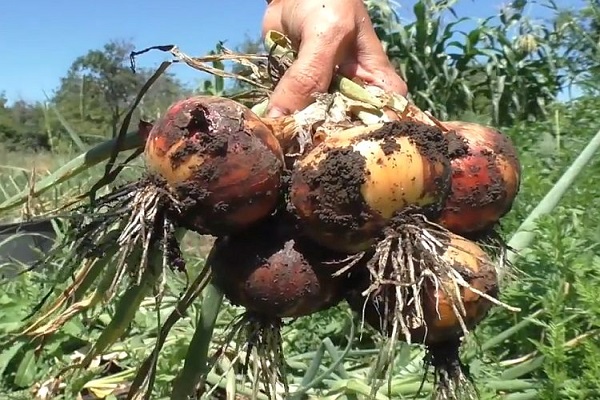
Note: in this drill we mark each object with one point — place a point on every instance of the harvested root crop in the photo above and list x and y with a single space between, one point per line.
346 190
373 192
219 161
273 273
485 178
449 292
448 297
359 196
213 168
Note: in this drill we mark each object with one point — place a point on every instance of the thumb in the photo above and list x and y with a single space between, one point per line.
310 73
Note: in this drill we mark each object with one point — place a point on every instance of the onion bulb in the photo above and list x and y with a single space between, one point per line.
271 271
221 163
348 187
439 309
485 177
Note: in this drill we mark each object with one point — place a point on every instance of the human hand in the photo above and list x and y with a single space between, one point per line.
327 34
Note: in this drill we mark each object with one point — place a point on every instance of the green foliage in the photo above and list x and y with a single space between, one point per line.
580 29
90 101
505 67
22 125
559 275
100 86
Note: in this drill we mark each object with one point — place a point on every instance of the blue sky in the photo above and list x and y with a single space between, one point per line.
39 38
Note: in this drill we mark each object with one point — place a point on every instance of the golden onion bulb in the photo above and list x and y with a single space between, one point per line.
351 185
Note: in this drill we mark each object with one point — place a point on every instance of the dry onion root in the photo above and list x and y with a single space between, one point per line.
274 274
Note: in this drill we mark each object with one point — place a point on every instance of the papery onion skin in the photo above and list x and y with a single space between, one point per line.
347 188
441 322
272 271
219 160
486 175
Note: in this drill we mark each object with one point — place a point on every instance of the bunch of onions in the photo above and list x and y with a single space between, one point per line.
347 189
297 202
388 201
399 197
486 175
221 164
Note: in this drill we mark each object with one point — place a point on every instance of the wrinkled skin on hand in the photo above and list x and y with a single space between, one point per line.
327 34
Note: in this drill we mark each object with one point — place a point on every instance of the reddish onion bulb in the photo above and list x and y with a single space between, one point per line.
485 177
270 270
219 160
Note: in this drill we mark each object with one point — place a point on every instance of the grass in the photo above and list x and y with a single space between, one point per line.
547 351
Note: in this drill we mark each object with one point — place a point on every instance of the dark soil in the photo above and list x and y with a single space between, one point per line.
195 127
331 193
390 145
434 148
457 145
430 140
340 178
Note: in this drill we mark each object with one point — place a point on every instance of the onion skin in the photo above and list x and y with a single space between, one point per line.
219 160
347 188
442 324
486 175
272 271
464 255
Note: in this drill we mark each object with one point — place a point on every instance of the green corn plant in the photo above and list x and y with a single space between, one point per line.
216 85
451 69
